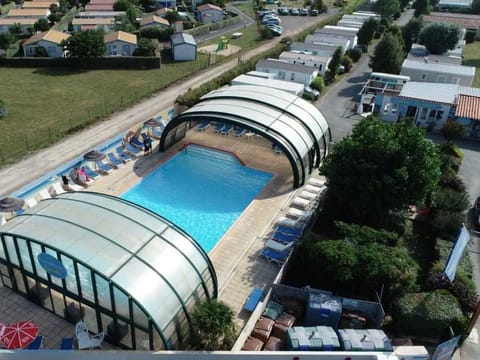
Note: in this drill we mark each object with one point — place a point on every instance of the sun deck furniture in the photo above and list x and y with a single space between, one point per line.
219 128
36 344
131 149
253 299
73 185
106 168
92 174
284 238
295 231
252 344
203 125
275 257
31 202
227 129
85 341
66 344
239 132
96 340
308 195
44 194
3 221
56 188
157 133
292 223
303 203
278 246
297 213
123 155
317 182
136 142
314 189
114 160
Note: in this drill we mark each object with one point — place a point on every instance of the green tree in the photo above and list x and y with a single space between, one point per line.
386 8
6 39
452 131
421 7
85 44
213 326
123 23
476 6
148 5
319 5
410 32
378 170
347 63
318 83
145 47
41 25
365 33
121 5
439 37
172 17
15 29
388 55
334 63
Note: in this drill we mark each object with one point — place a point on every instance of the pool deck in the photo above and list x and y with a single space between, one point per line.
236 257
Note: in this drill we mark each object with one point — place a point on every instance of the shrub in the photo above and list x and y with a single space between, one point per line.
428 314
470 36
377 35
266 33
445 224
452 182
452 130
318 83
6 39
450 164
308 96
355 54
451 149
3 109
451 200
346 63
366 235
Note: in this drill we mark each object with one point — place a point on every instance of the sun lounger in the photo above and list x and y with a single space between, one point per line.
31 202
56 189
297 213
303 203
105 168
203 126
219 128
44 194
272 256
131 149
317 182
3 221
136 142
308 195
227 129
74 186
92 174
277 246
314 189
253 299
157 133
284 238
66 344
239 132
294 231
114 160
123 155
36 344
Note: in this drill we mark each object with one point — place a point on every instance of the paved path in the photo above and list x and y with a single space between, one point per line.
38 164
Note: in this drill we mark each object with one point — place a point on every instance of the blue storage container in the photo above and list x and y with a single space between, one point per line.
323 310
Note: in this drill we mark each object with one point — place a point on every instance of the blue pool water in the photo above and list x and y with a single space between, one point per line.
200 190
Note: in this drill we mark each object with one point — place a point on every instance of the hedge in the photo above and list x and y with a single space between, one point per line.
428 314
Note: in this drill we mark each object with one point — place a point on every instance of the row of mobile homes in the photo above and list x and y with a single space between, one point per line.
436 72
465 21
318 62
26 25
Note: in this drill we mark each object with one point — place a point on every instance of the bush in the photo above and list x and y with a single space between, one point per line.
450 164
3 109
452 131
428 314
445 224
318 83
377 35
266 33
470 36
451 150
308 96
355 54
451 200
452 182
365 235
346 63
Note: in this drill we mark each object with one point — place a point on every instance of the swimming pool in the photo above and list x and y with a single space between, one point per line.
203 191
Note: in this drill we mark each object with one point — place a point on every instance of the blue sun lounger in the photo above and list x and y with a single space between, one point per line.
66 344
123 155
106 168
289 231
136 142
219 128
132 149
203 125
36 344
239 132
114 160
253 299
284 238
275 257
90 172
157 133
227 129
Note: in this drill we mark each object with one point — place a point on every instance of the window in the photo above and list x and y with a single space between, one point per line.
281 75
292 76
394 108
386 108
441 79
424 76
320 67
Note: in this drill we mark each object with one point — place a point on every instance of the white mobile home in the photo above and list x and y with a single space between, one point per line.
349 23
339 31
313 49
290 72
426 71
336 42
288 86
26 25
319 62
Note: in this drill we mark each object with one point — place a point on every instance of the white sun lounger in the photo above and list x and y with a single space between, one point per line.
56 188
303 203
308 195
317 181
314 189
31 202
3 220
44 194
297 213
279 247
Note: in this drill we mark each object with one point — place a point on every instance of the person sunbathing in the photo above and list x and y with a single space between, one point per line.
65 184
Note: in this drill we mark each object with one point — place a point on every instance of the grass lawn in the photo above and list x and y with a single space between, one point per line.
45 104
471 57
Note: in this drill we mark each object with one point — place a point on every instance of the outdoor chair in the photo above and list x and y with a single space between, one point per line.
239 132
253 299
219 128
315 189
91 174
123 155
157 133
36 344
103 167
227 129
303 203
85 341
284 238
114 160
277 246
136 142
275 257
131 149
294 231
203 125
31 202
3 221
56 188
308 195
66 344
96 340
44 194
292 223
316 182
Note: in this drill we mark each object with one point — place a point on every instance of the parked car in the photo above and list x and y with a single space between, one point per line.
261 14
270 16
314 12
275 29
304 12
313 92
271 21
294 12
283 11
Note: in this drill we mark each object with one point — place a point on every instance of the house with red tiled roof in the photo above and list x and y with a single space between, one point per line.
81 24
208 13
26 24
120 43
50 41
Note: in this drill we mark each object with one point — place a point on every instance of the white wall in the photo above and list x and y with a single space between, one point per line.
300 78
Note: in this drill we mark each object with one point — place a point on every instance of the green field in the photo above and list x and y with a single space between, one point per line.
471 57
45 104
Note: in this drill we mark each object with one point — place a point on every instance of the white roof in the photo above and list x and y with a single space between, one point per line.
444 93
439 68
291 87
463 3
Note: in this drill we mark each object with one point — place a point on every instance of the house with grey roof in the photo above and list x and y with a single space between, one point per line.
184 47
437 72
342 42
324 50
339 31
319 62
290 72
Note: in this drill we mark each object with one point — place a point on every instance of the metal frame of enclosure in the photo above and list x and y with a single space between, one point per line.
293 124
126 271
